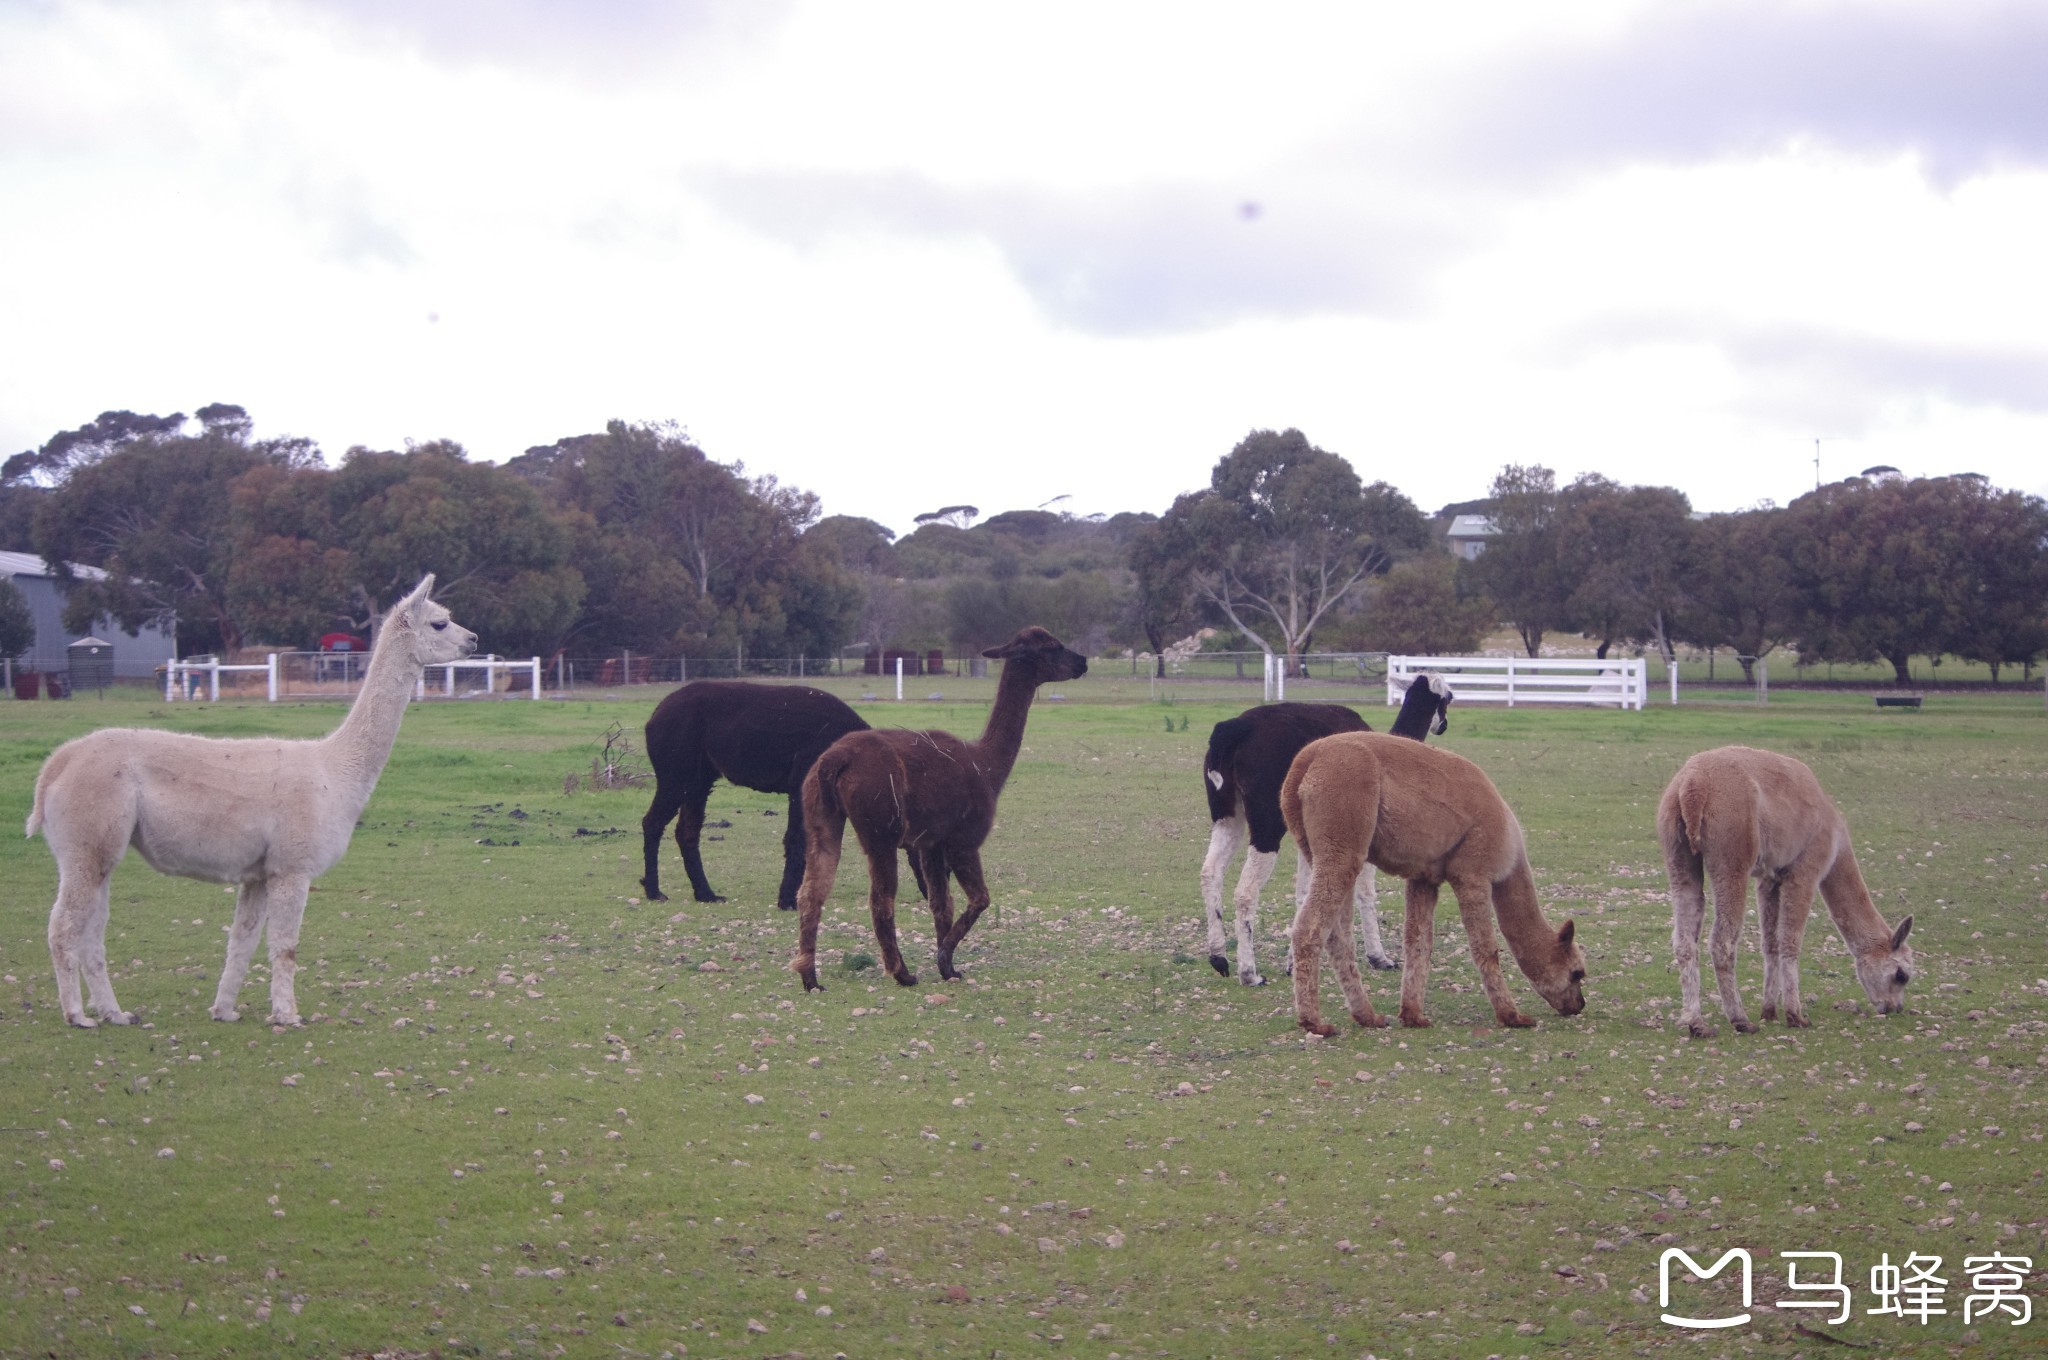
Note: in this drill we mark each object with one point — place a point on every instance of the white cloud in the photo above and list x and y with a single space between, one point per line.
904 254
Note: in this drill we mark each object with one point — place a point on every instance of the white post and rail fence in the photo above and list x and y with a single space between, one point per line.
307 674
1511 680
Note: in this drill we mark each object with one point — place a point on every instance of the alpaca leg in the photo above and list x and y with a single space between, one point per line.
1731 904
99 986
931 867
285 912
1767 900
78 947
882 908
968 870
792 851
1688 916
659 814
1343 947
1367 897
690 836
1226 838
1795 904
1258 867
251 903
1475 909
823 840
1309 933
1418 937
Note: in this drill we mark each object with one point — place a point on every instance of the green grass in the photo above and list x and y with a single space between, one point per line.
520 1121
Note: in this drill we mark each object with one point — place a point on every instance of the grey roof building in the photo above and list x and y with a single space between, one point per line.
136 657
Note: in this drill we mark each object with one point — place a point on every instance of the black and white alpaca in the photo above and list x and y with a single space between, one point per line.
1242 773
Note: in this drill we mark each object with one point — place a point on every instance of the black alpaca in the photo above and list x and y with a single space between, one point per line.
765 737
1242 773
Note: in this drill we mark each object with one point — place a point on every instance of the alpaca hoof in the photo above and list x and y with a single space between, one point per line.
906 979
810 977
1744 1027
705 897
786 906
1251 979
1220 964
227 1014
1771 1013
1318 1028
1370 1020
654 894
286 1021
83 1021
1701 1030
1515 1021
120 1018
1381 962
948 971
1797 1021
1417 1021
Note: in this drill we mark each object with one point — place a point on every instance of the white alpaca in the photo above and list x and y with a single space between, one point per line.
266 814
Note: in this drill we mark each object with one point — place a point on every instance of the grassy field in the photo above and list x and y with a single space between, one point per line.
534 1115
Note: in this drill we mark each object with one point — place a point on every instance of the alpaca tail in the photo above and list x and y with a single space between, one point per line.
1692 814
1219 780
35 812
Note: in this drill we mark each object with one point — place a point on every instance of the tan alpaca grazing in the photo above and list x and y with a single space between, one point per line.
265 814
1738 813
1430 817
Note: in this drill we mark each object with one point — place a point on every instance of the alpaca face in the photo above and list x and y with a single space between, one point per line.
436 637
1561 983
1885 972
1049 659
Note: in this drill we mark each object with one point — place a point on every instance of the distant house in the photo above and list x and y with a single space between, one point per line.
1468 535
135 657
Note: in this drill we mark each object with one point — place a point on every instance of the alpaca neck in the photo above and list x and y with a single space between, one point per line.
1520 916
357 750
1417 709
1848 900
1003 737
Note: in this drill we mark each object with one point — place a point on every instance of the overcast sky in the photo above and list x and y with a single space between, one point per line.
907 255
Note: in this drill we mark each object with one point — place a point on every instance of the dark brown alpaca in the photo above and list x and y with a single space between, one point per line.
762 736
928 792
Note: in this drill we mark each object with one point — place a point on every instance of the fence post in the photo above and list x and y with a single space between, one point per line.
1671 669
536 677
1511 680
899 679
1763 682
273 677
213 686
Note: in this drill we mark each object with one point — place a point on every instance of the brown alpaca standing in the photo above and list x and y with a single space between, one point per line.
1735 813
929 793
1430 817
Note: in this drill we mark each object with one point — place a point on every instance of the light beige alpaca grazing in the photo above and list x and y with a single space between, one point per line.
1431 817
265 814
1735 813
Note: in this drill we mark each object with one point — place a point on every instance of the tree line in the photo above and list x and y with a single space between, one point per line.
635 538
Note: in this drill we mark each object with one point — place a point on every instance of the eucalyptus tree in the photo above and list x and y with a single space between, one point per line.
1283 534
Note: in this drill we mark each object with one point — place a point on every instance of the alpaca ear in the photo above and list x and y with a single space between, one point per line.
1565 933
421 591
1899 935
